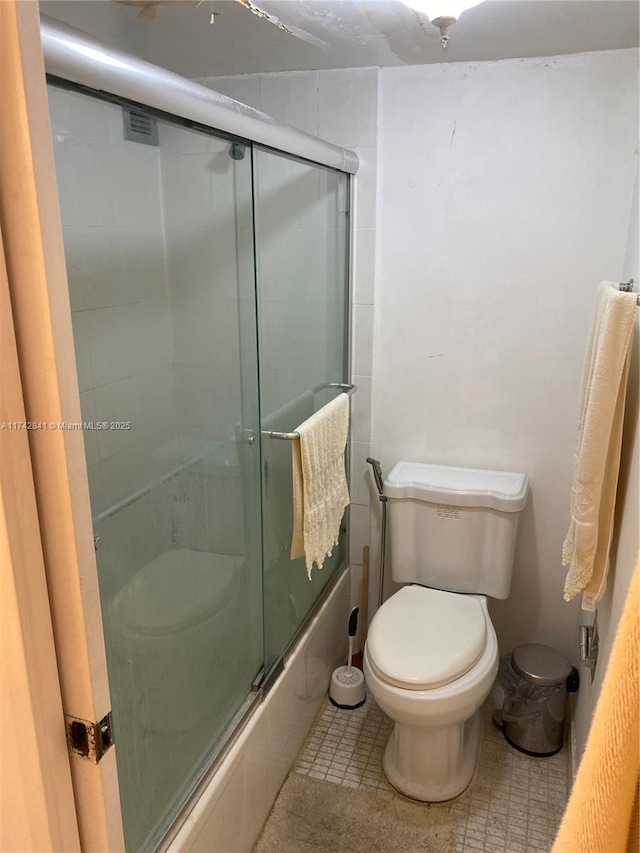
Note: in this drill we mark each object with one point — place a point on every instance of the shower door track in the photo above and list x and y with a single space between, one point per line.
237 724
72 55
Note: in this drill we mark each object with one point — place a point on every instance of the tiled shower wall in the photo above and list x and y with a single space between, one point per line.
197 180
150 318
198 185
300 245
114 244
169 303
114 248
341 107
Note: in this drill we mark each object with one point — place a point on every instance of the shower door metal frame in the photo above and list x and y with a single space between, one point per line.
273 668
73 55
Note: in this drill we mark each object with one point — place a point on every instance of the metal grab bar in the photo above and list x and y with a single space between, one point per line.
347 387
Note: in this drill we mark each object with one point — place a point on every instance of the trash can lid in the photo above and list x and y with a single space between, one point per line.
540 664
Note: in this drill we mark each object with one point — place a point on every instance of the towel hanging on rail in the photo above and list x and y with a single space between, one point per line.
597 460
601 814
320 492
276 462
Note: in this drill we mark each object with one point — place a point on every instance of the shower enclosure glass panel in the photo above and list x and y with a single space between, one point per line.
301 238
159 245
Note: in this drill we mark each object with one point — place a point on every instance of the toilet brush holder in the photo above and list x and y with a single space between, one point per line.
347 690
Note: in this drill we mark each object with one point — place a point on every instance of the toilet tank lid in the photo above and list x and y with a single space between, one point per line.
501 490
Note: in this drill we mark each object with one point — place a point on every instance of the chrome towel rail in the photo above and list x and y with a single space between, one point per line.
627 287
347 387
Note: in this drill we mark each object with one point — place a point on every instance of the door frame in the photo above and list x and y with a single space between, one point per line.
36 799
38 291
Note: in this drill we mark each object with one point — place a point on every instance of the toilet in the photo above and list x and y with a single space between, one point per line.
431 655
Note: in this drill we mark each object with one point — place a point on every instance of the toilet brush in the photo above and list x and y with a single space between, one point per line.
347 682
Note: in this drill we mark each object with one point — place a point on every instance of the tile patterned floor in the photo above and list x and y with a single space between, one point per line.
513 805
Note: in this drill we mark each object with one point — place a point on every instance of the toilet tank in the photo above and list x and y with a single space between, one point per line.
454 528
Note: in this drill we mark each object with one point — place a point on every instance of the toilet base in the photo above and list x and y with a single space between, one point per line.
432 765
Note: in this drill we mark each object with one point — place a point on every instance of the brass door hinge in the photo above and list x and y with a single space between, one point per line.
89 740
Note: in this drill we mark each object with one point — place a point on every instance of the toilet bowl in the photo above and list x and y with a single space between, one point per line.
432 750
431 655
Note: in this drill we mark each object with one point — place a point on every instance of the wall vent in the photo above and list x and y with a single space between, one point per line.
139 126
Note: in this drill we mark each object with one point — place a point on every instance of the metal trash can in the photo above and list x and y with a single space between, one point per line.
536 679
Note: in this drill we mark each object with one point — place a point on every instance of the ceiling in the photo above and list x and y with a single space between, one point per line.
348 33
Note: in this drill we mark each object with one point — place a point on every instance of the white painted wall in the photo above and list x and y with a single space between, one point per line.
504 196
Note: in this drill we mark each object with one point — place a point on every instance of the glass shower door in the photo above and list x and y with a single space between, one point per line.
159 243
302 233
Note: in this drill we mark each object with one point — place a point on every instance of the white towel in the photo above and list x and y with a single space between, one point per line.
320 492
276 465
597 461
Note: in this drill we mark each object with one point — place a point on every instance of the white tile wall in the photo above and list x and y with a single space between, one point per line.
81 334
362 342
364 247
347 108
192 210
360 484
153 275
118 287
291 98
366 188
205 195
359 521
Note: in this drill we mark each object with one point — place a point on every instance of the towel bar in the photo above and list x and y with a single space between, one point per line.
627 287
347 387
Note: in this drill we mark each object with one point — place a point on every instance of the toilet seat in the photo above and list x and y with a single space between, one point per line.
425 638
